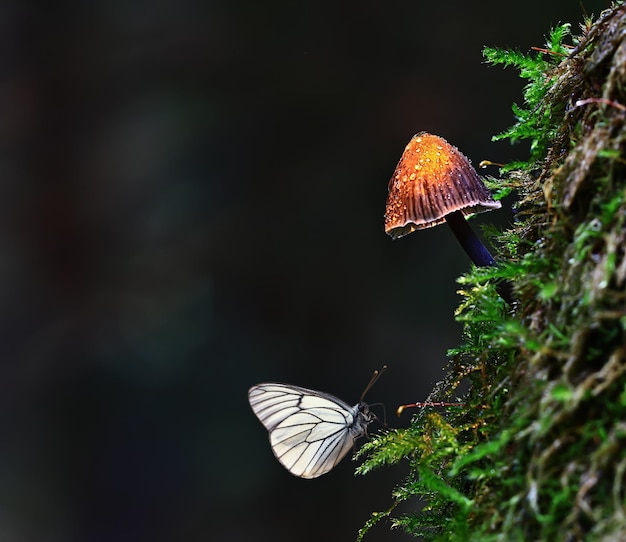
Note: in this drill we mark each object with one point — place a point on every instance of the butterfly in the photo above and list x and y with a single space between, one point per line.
310 431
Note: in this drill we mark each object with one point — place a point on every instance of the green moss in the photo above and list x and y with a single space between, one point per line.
537 451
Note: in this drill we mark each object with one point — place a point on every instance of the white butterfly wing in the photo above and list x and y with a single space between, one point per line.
310 431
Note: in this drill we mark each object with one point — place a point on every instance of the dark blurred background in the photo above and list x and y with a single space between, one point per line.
192 202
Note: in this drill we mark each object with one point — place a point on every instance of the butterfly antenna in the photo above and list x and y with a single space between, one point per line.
375 377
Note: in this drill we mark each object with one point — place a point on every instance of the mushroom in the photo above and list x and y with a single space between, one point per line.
435 183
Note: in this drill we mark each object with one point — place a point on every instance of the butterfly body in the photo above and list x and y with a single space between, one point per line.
310 431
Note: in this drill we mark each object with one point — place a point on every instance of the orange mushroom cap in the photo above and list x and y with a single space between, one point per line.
432 179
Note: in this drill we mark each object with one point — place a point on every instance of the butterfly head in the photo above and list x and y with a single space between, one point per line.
364 416
365 413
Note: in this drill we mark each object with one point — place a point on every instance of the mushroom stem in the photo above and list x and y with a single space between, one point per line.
470 242
477 252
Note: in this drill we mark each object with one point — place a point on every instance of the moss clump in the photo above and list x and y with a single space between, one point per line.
538 449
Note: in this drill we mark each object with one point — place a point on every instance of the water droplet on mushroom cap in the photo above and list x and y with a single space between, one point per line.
432 179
